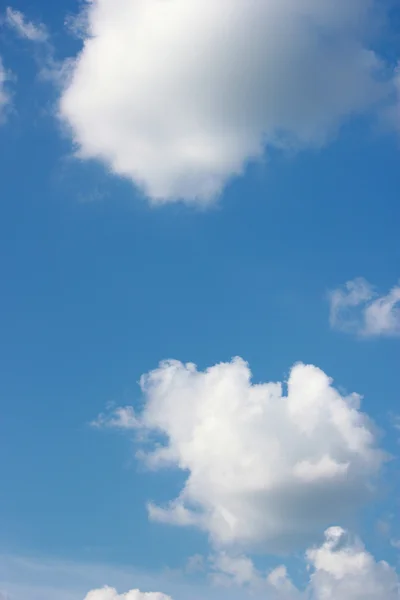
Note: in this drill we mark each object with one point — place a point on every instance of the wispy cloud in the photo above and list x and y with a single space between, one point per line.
119 418
357 308
4 92
35 32
49 68
24 578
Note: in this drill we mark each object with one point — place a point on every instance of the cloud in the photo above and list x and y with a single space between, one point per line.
237 570
356 308
180 96
339 568
77 24
24 28
50 69
108 593
264 468
4 94
344 569
120 418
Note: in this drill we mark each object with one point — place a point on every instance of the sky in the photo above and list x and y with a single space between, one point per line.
200 301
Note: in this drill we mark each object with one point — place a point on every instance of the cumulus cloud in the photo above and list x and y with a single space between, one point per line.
108 593
179 96
339 568
265 468
344 569
24 28
357 308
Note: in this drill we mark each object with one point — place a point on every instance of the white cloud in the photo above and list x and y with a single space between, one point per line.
340 568
120 418
49 68
179 96
108 593
77 24
357 308
4 95
24 28
345 570
264 469
237 570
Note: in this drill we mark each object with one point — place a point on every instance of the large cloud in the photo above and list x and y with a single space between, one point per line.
357 308
179 95
264 469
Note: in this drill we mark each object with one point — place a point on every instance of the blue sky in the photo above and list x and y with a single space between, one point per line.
105 274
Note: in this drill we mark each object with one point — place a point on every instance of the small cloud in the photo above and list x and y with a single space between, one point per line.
195 564
238 570
383 527
35 32
49 68
119 418
357 308
108 593
77 25
5 96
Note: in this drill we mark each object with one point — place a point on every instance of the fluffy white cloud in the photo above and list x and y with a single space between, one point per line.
357 308
340 568
108 593
179 96
345 570
24 28
265 468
